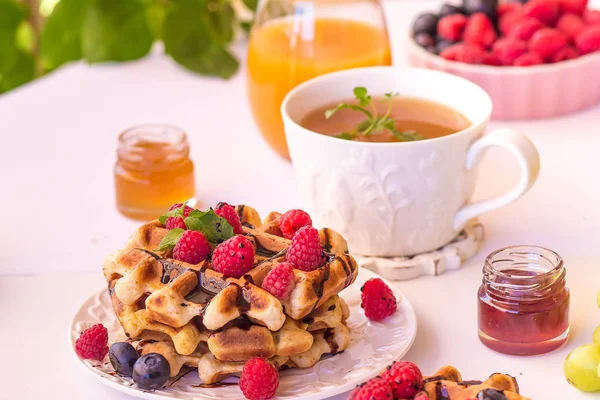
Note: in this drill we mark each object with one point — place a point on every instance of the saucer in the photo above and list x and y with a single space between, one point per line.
374 345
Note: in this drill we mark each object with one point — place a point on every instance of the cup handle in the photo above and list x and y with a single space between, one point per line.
525 152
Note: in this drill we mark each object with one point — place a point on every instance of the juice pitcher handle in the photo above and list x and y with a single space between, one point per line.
527 156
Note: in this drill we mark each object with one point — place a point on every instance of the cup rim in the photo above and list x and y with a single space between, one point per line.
358 71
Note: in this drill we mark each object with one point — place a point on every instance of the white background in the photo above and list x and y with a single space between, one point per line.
58 138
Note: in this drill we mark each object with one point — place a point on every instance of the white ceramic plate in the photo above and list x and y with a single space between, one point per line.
373 347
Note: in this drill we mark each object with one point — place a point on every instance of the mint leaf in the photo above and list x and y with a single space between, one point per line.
60 40
191 39
12 13
251 4
116 30
215 228
21 71
170 239
221 17
155 14
176 212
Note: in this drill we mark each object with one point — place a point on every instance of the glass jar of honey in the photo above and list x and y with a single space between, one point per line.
524 301
153 171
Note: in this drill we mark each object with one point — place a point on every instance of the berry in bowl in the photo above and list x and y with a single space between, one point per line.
535 58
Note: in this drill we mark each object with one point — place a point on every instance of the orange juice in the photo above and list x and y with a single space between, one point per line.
283 54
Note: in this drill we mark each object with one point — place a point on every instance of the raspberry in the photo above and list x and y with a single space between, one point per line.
186 211
528 59
228 212
259 379
280 281
509 49
374 389
570 25
525 28
544 10
479 31
506 8
93 343
568 53
464 52
509 20
293 220
424 396
405 378
377 299
547 42
572 6
588 41
591 17
491 59
306 253
234 257
175 222
192 248
452 26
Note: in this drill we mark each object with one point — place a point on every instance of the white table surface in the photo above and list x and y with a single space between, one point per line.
59 220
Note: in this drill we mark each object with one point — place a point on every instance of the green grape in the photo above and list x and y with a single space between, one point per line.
596 335
581 367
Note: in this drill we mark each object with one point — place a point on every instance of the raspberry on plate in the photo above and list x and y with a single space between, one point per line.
175 222
452 26
491 59
547 42
570 25
525 28
572 6
373 389
305 252
464 52
293 220
93 343
528 59
509 20
509 49
186 211
544 10
591 17
192 247
228 212
405 378
280 281
234 257
506 8
479 31
568 53
378 300
588 41
259 379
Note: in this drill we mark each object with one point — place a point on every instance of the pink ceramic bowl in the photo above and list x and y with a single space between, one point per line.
542 91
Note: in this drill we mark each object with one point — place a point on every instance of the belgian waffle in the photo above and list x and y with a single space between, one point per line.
195 316
447 384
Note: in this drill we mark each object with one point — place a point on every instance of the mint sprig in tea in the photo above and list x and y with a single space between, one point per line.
388 118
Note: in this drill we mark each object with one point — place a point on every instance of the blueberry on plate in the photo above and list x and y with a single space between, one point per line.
488 7
449 9
491 394
151 371
123 356
424 40
443 44
426 23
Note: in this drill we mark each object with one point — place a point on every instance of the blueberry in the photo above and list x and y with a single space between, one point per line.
443 44
426 23
491 394
449 9
122 356
488 7
151 371
424 39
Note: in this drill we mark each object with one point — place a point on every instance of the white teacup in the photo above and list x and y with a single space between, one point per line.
398 199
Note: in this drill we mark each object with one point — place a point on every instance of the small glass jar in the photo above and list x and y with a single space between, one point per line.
524 301
153 171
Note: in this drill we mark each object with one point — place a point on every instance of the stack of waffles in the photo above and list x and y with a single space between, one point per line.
194 316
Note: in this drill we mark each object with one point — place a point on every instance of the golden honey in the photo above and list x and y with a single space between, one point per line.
153 171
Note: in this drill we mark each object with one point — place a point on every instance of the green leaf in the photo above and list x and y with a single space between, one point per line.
391 95
251 4
215 228
116 30
21 71
330 112
176 212
221 17
407 136
170 239
60 40
12 13
361 95
246 25
25 37
155 14
346 136
190 38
